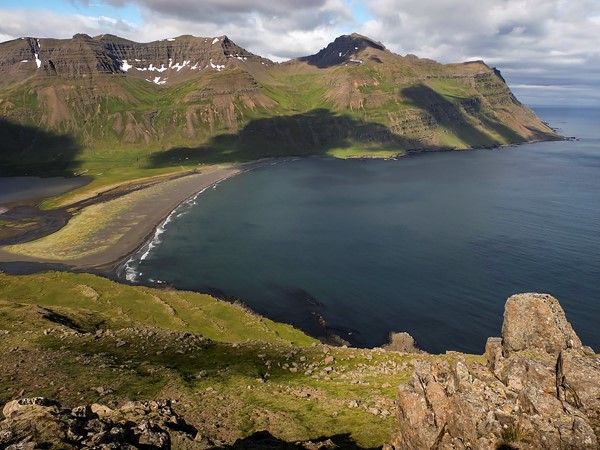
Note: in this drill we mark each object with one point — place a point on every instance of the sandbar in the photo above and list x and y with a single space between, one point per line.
104 234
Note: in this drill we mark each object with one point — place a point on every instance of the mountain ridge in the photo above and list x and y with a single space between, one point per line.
206 96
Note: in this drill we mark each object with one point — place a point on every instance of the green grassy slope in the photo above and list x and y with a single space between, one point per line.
78 338
92 302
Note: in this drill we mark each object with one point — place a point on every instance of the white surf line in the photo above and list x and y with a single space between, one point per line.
131 274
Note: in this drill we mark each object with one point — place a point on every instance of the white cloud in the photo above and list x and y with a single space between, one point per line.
18 23
556 40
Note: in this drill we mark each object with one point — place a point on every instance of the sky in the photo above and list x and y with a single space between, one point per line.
547 50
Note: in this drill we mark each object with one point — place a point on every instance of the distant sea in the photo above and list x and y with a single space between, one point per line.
431 244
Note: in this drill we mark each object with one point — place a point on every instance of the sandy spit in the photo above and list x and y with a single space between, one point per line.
104 235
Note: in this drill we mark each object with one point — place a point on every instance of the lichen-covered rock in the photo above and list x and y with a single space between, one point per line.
15 407
539 389
454 405
536 321
578 382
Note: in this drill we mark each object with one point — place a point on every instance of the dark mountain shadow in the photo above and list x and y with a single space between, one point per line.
265 441
28 150
501 129
311 133
452 116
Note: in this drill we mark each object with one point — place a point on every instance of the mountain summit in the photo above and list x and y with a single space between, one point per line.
204 99
353 48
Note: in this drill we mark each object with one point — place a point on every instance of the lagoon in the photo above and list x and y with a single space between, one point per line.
20 189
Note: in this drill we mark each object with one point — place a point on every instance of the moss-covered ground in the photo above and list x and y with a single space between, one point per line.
80 338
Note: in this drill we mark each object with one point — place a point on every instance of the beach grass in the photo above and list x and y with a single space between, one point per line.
118 226
93 230
107 172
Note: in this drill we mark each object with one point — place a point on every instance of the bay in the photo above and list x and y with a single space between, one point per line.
431 244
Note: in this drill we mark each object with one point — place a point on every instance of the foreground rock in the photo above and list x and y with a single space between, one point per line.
32 423
540 389
536 321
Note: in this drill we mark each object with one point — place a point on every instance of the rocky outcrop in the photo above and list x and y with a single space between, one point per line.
539 389
32 423
578 382
536 321
402 342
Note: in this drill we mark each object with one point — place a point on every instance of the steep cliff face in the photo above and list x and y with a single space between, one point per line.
107 54
169 59
75 58
107 92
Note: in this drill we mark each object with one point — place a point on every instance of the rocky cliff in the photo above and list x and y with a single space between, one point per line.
209 96
84 56
540 389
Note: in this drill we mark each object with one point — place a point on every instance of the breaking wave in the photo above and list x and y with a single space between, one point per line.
130 270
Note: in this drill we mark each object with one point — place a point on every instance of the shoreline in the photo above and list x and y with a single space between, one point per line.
158 228
114 256
138 223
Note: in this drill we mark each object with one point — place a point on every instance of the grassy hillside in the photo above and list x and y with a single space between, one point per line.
78 338
92 302
354 98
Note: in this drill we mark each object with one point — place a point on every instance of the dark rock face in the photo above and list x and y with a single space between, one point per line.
344 49
539 390
83 55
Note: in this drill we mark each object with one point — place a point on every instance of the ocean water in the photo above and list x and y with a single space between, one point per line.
431 244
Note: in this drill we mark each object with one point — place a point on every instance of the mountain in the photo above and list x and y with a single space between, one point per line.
96 102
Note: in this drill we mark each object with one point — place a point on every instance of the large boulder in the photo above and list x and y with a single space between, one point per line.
536 321
15 407
538 389
401 342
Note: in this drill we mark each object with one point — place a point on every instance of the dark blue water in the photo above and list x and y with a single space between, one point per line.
431 244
